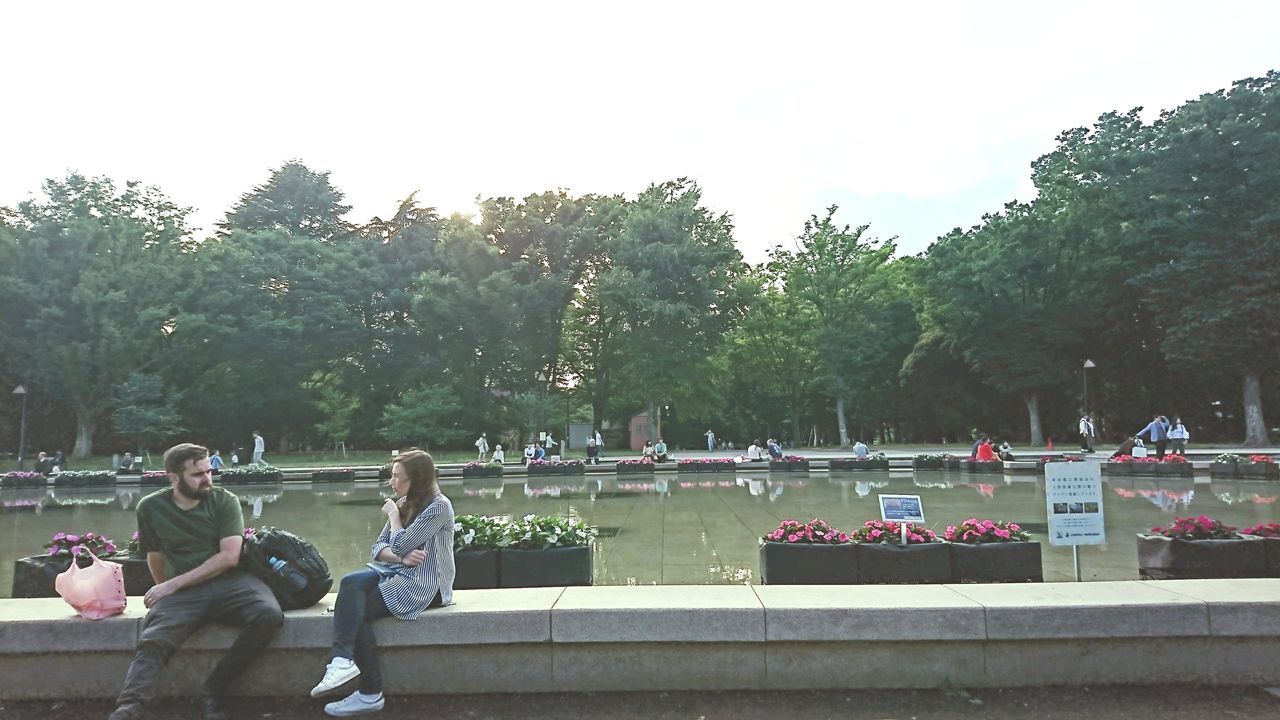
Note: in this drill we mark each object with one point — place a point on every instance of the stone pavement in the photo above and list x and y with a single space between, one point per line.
1185 702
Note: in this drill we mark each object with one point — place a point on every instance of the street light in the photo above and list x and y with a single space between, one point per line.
1085 374
21 392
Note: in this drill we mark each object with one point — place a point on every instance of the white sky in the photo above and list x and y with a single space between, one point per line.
916 118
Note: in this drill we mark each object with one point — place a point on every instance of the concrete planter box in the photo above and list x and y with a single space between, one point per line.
996 562
1144 468
808 564
1255 471
951 463
1272 546
333 476
553 567
1223 470
544 470
701 467
990 466
788 466
1162 558
856 464
926 464
634 468
97 479
476 569
885 563
33 577
1118 468
38 481
249 478
481 472
384 473
1175 469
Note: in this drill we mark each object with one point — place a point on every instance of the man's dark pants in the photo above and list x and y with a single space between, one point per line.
234 598
1161 446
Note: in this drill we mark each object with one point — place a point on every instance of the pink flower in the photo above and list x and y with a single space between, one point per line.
77 549
844 537
793 538
73 538
88 536
876 533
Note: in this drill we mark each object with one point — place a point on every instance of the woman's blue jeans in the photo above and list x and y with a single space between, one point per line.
359 604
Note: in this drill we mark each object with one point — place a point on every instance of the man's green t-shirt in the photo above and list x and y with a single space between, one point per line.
187 537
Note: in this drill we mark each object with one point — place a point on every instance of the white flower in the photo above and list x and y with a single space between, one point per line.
457 526
529 517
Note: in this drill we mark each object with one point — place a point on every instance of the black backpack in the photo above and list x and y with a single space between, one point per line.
303 581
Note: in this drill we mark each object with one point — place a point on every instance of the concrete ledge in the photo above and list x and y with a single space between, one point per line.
712 637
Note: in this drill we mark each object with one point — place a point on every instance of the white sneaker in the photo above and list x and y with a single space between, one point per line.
337 673
354 704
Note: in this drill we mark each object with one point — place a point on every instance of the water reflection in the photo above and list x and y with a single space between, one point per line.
668 528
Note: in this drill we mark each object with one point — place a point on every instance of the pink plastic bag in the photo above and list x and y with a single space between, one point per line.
96 592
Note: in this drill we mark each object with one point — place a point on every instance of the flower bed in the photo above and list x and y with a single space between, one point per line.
22 479
492 552
789 463
927 461
634 467
951 462
993 551
702 465
1046 459
876 461
1199 547
1224 466
1259 467
811 553
556 467
345 475
246 474
477 469
154 478
924 559
84 478
33 577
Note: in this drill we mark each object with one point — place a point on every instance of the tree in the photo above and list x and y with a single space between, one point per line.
90 298
838 274
424 413
145 411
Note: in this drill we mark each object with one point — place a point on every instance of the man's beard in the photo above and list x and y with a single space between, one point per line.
192 494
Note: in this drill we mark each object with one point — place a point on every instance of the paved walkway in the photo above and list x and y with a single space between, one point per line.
1078 703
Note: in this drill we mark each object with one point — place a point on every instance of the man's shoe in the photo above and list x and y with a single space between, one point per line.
354 704
337 673
212 707
127 711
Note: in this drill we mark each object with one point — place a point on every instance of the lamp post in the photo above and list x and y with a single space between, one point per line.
21 392
1085 375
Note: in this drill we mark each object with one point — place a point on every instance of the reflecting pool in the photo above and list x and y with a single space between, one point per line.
670 529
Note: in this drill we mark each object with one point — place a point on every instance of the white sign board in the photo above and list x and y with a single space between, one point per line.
1073 499
901 508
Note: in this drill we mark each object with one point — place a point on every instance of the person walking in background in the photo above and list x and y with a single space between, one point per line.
593 452
215 460
482 447
599 442
1087 434
259 447
1178 437
711 440
1157 431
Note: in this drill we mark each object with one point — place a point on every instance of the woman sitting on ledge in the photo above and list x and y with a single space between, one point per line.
412 571
984 452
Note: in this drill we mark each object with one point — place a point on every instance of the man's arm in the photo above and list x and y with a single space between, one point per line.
155 563
227 557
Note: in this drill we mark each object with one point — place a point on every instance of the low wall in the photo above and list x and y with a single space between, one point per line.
713 637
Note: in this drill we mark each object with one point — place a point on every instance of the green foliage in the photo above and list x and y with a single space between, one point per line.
145 412
425 414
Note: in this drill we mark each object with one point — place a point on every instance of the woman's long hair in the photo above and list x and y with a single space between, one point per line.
421 471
